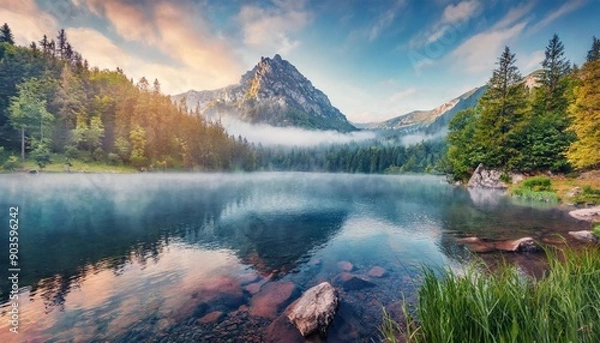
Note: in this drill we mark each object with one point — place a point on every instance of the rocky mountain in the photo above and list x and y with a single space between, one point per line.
274 92
428 121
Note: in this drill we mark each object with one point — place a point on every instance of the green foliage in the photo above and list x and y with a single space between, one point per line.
594 52
463 151
6 35
113 159
596 230
41 155
585 113
589 195
505 306
537 189
12 163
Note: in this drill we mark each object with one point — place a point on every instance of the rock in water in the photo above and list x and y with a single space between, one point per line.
272 297
486 178
584 236
314 310
351 282
377 272
345 266
588 214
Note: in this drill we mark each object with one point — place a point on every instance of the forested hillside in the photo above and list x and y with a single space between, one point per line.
52 103
553 126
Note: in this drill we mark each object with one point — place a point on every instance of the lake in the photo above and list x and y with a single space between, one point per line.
217 257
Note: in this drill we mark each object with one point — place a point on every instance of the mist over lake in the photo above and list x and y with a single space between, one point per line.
146 257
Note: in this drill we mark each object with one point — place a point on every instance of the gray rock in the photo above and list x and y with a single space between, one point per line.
486 178
591 214
314 310
584 236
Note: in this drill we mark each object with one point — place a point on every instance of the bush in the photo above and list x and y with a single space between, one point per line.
41 155
98 155
596 230
113 158
13 162
71 152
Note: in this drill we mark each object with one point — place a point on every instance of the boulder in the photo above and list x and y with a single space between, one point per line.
315 309
377 272
591 214
486 178
584 236
351 282
282 330
273 297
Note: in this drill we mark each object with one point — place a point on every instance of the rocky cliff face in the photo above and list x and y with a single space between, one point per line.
274 92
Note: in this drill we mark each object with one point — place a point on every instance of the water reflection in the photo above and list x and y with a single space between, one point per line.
138 257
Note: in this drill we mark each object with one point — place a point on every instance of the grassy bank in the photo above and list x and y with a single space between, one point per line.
58 165
505 306
560 188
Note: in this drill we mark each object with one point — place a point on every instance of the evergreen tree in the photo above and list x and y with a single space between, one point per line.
502 107
594 52
555 68
6 35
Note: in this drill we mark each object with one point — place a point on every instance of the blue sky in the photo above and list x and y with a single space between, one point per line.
374 59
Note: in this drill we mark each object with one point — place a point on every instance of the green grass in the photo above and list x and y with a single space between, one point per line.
505 306
588 196
596 230
57 165
537 188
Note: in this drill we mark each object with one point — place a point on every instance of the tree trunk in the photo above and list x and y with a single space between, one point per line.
23 143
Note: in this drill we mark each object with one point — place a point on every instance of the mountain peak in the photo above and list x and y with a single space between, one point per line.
273 92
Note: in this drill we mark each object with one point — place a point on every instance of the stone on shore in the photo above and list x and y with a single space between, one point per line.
486 178
315 309
475 244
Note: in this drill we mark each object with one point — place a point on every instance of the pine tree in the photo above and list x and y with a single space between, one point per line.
6 35
502 107
61 42
594 52
555 68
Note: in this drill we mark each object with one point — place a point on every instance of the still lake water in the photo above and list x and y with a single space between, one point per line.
145 257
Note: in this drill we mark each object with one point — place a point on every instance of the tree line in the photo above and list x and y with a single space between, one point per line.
52 103
552 125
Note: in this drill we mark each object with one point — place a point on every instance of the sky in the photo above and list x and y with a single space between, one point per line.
374 59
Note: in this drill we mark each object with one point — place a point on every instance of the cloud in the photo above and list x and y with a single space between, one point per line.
385 20
291 136
566 8
531 62
401 95
27 22
513 15
451 19
416 138
200 58
479 52
273 28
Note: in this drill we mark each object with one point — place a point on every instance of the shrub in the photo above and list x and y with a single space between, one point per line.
113 158
41 155
71 152
13 162
596 230
588 196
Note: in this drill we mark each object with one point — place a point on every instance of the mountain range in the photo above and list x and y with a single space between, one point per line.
274 92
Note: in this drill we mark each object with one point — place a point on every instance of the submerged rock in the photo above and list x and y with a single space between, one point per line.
377 272
351 282
210 317
486 178
345 266
591 214
315 309
475 244
272 297
584 236
282 330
